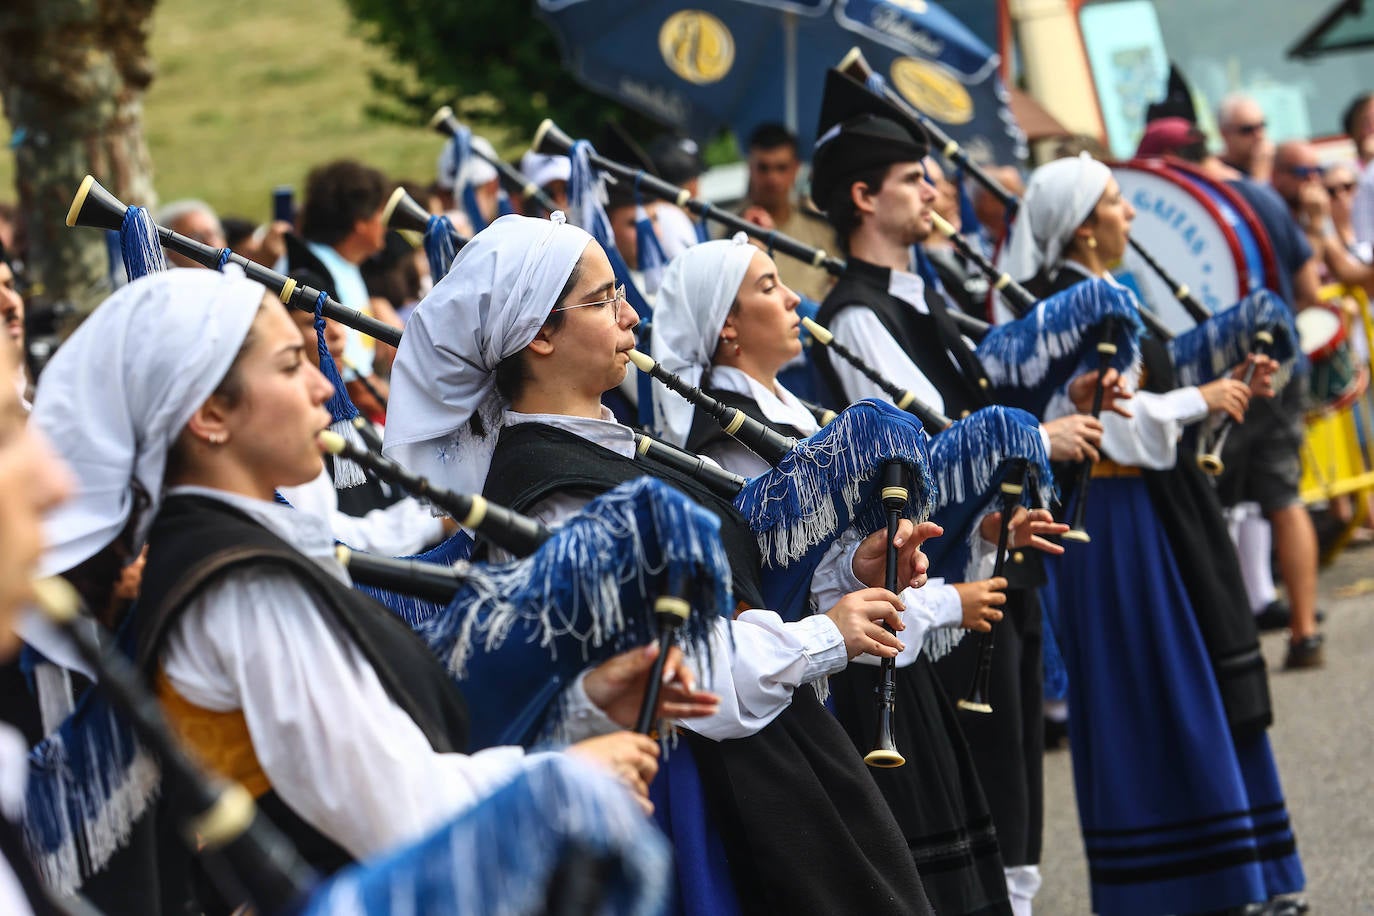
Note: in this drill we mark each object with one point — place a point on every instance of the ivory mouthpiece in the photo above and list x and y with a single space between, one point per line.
818 331
440 116
943 224
57 599
643 362
79 200
391 203
330 442
854 60
537 144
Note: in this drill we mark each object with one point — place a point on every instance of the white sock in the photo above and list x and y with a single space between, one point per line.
1254 543
1023 881
1057 710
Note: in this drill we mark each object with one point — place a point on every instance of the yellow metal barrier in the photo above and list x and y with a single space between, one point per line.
1335 462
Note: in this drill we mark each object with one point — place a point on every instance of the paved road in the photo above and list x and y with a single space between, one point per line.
1323 738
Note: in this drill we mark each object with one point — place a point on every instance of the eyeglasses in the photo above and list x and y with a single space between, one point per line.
613 300
1248 129
1304 172
1344 187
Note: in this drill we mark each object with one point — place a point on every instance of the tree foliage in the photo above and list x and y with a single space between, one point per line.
493 60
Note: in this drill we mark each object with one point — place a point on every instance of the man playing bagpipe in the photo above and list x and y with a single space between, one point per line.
868 177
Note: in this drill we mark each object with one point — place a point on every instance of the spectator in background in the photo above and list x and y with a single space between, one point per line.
1244 134
772 202
340 228
677 160
194 219
1341 182
12 315
1358 123
991 212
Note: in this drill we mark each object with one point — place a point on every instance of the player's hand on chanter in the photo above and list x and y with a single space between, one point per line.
617 686
1114 392
631 758
1028 528
860 616
1227 395
870 558
1074 437
981 601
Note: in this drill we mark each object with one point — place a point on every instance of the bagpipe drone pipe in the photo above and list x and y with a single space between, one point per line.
559 838
818 487
441 241
515 635
856 68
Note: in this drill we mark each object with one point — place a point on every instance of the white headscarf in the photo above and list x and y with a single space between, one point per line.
699 287
489 306
118 393
1059 197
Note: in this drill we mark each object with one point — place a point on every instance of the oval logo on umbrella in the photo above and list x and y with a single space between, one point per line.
696 46
933 89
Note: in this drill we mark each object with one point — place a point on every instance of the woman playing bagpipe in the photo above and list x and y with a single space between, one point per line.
869 179
33 481
182 403
500 378
724 317
1178 795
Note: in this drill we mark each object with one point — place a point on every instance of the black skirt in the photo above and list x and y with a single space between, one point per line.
1008 744
935 796
804 827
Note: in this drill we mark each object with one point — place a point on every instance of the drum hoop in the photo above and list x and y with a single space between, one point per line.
1346 398
1160 169
1328 348
1247 213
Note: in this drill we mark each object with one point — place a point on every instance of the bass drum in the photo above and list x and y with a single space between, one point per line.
1182 224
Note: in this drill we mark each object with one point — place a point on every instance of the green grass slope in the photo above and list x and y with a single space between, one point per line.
251 94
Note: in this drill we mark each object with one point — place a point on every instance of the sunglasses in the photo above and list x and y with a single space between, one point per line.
1248 129
1344 187
612 300
1304 172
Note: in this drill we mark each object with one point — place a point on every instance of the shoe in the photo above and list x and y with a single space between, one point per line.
1275 616
1305 653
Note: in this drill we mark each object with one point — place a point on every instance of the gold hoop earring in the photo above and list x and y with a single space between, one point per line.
1092 241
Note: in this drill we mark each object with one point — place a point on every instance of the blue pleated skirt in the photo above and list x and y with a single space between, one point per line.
1177 816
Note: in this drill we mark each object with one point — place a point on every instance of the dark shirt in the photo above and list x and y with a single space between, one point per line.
1291 248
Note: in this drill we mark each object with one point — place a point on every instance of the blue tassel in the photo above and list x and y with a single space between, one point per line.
1210 350
89 782
340 405
441 246
139 244
499 857
828 482
585 595
409 608
1031 358
503 205
968 461
473 208
972 230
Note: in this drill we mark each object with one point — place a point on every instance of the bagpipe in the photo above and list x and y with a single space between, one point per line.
514 635
856 67
441 241
551 140
444 122
555 833
96 207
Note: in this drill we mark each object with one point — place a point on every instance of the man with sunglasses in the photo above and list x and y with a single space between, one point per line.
1243 131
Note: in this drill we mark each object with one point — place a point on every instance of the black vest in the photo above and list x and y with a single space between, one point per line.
706 431
928 339
195 541
534 460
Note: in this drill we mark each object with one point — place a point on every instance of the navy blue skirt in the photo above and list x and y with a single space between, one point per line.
1177 815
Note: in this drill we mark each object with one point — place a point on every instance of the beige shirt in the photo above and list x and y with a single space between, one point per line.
807 226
